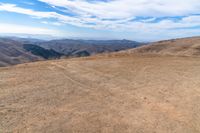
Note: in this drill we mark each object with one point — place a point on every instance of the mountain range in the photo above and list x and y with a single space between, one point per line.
15 50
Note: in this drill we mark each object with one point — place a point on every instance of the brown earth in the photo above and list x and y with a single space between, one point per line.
179 47
107 94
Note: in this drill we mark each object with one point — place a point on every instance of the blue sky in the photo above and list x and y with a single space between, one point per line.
140 20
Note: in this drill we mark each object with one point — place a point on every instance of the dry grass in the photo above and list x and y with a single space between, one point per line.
178 47
135 94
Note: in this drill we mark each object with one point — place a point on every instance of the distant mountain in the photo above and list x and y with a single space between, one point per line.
78 48
12 52
15 50
39 51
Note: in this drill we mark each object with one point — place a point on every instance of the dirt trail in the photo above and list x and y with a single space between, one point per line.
133 94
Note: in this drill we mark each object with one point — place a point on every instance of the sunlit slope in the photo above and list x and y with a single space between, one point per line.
177 47
102 94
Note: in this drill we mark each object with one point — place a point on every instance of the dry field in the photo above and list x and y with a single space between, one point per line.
179 47
119 94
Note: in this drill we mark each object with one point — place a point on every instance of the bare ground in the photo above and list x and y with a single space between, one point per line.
133 94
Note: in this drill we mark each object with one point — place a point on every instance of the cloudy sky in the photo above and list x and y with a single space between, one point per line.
141 20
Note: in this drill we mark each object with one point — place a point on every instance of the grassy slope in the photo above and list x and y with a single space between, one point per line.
102 94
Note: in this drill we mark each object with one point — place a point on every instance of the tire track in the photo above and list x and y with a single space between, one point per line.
68 77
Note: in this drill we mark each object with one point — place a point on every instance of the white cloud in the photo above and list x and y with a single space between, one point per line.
119 15
56 23
128 8
14 8
52 23
37 14
13 28
192 19
45 22
28 3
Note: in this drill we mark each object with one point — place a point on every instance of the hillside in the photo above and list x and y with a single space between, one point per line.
41 52
12 52
102 94
176 47
142 90
15 50
75 48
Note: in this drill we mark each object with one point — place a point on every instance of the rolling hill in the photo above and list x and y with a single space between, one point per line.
12 52
15 50
76 48
109 93
41 52
176 47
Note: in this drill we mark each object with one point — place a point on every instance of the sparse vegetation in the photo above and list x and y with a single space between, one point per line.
118 92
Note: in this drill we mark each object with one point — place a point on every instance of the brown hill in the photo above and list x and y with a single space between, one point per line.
12 52
21 50
102 94
177 47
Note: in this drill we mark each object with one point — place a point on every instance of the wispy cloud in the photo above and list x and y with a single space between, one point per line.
119 15
13 28
28 3
52 23
122 14
128 8
103 14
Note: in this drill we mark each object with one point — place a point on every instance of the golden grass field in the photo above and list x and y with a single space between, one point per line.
102 94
